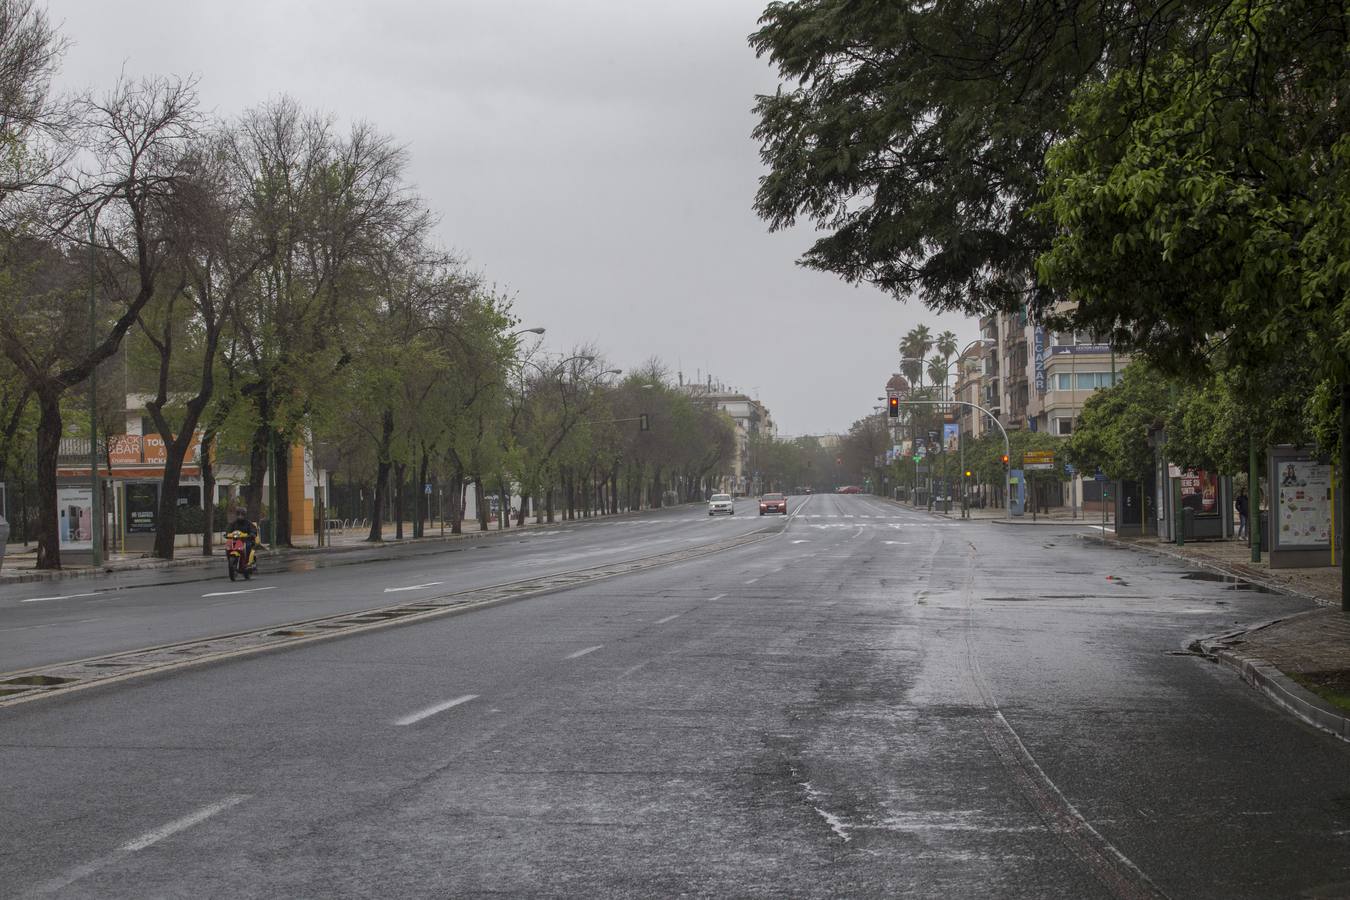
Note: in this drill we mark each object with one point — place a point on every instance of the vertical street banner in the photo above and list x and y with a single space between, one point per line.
75 518
1040 360
951 437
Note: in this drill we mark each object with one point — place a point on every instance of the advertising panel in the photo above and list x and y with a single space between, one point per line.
142 506
951 436
124 449
1304 503
155 453
1200 492
75 518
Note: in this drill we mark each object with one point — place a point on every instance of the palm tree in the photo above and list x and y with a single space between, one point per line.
946 345
915 345
937 374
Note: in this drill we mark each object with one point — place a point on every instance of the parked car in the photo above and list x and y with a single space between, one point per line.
773 503
849 489
721 503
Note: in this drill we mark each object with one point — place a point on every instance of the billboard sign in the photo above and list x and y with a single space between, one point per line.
1038 459
75 518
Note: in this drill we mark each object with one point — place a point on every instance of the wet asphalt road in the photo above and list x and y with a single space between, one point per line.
871 703
58 621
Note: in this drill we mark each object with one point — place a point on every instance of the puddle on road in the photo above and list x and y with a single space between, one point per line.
1230 582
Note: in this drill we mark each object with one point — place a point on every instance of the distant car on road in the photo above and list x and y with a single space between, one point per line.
721 503
773 503
849 489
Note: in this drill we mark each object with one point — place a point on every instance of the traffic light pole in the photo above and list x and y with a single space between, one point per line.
1007 451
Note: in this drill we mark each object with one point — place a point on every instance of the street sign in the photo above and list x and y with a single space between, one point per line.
1038 459
1068 469
1100 477
426 488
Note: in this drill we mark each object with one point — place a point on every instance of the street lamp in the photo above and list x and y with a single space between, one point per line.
528 331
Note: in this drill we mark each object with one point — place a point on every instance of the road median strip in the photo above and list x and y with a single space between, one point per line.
60 679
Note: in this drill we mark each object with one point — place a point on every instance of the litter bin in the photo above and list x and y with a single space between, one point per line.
4 538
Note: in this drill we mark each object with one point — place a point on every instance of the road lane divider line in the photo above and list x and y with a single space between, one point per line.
433 710
412 587
60 678
581 653
668 619
151 838
718 597
245 591
62 597
57 886
752 581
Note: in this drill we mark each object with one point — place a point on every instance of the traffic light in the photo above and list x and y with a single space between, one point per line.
894 404
969 474
1005 460
645 423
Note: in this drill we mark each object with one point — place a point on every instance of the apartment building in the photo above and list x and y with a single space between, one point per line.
750 418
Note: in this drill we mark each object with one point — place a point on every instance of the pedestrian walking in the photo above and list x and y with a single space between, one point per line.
1241 504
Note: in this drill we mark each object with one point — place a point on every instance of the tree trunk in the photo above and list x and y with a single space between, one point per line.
281 465
480 502
400 498
549 503
257 472
208 492
423 507
166 528
457 503
48 448
524 505
381 478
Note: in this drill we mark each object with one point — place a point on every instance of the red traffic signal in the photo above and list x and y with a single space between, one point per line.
1005 460
894 404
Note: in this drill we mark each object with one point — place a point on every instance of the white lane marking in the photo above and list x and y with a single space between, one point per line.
752 581
246 591
803 541
718 597
631 669
432 710
62 597
177 825
895 542
668 618
580 653
57 885
413 587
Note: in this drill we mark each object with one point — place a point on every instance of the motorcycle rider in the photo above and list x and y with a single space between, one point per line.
242 523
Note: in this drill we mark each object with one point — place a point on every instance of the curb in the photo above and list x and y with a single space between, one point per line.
1282 690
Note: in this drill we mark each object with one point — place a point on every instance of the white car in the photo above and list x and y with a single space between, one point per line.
721 503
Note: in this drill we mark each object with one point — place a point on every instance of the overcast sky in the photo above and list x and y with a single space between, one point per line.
593 157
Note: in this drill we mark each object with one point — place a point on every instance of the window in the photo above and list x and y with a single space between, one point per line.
1063 382
1086 381
1064 426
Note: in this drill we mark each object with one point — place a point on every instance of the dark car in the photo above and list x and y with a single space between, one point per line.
773 503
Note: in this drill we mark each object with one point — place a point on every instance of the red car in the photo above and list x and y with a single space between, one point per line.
849 489
773 503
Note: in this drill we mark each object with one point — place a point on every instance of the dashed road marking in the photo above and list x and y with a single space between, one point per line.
718 597
154 837
581 653
61 597
246 591
668 618
413 587
432 710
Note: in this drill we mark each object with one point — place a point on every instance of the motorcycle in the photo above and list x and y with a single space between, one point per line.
235 544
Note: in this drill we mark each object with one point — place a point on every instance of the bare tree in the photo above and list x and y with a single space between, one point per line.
133 141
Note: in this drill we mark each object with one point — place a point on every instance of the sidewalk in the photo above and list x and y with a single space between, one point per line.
20 563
